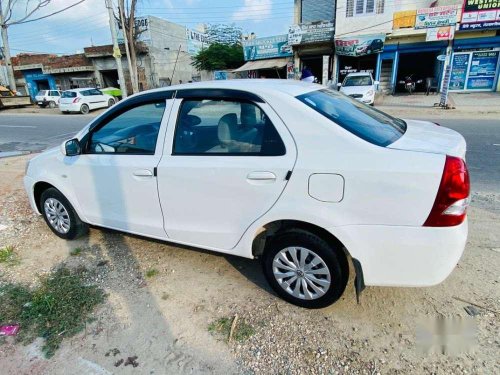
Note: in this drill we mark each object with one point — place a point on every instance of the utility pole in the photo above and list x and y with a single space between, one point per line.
127 48
116 50
6 51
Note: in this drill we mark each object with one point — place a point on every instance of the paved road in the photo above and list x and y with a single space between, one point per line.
34 132
37 132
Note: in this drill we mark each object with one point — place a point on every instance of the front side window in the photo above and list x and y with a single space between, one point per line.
224 127
132 132
358 81
42 93
361 120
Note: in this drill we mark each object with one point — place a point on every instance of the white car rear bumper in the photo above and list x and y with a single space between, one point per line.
72 107
405 256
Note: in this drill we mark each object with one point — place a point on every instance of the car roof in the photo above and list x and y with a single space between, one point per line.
257 86
81 89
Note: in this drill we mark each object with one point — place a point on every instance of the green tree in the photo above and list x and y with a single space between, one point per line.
219 57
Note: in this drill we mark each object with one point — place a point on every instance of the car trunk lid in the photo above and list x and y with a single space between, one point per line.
429 137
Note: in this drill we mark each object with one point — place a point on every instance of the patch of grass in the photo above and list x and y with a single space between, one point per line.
152 272
165 296
8 256
75 252
222 326
59 307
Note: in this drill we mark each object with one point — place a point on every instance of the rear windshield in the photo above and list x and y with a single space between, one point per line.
68 94
358 81
361 120
41 93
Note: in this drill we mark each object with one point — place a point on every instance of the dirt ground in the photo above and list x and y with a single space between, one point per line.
163 320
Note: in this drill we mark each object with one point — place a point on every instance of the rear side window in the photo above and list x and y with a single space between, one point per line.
68 94
225 127
361 120
41 93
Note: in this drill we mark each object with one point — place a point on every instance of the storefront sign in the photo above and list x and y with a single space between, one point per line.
267 48
460 64
480 14
360 45
482 70
141 30
474 70
404 19
446 84
440 33
69 69
196 41
313 32
436 17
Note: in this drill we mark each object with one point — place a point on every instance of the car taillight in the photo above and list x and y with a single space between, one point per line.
76 100
452 200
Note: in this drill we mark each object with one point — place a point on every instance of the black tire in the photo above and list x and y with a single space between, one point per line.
77 228
52 104
333 257
84 109
111 102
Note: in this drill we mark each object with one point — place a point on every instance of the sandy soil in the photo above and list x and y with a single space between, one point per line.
163 320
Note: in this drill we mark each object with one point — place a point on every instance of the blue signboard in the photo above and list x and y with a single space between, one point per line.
459 68
482 70
267 48
36 81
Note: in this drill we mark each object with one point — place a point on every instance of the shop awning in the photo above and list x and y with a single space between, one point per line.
263 64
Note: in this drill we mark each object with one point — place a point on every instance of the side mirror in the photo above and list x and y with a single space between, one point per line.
339 84
72 147
376 83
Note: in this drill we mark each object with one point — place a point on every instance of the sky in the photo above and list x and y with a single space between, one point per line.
87 23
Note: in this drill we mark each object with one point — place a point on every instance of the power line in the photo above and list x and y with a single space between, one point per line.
47 15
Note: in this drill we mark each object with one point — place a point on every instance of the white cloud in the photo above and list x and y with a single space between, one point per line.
256 10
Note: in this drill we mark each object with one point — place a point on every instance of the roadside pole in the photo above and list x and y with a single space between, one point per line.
6 51
127 47
116 50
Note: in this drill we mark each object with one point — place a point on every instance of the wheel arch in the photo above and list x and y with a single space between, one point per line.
274 227
40 186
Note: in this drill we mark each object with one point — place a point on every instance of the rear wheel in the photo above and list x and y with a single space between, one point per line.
60 215
84 109
304 269
111 102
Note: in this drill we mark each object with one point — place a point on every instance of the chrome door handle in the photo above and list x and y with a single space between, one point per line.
143 173
261 176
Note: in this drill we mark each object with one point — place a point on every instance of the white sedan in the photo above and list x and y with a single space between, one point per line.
360 86
84 100
302 177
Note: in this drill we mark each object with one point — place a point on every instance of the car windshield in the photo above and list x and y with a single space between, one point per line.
358 81
68 94
361 120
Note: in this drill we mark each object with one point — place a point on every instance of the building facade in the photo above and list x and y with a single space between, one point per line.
395 39
420 39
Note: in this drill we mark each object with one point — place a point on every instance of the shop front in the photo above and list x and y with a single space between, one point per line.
313 44
266 57
358 53
36 80
475 64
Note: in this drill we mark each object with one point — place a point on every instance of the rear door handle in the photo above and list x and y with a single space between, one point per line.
143 173
261 176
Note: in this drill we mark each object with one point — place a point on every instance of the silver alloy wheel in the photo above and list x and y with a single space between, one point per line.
57 215
301 273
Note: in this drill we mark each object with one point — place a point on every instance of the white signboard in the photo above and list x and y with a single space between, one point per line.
440 33
436 17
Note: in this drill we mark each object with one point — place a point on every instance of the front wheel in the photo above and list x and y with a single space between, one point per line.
304 269
84 109
52 104
60 215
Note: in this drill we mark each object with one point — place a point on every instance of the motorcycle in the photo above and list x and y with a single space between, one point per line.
410 84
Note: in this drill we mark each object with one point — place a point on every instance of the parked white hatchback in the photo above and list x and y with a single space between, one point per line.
360 86
302 177
84 100
48 98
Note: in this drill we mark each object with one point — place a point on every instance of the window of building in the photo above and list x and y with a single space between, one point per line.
318 10
364 7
